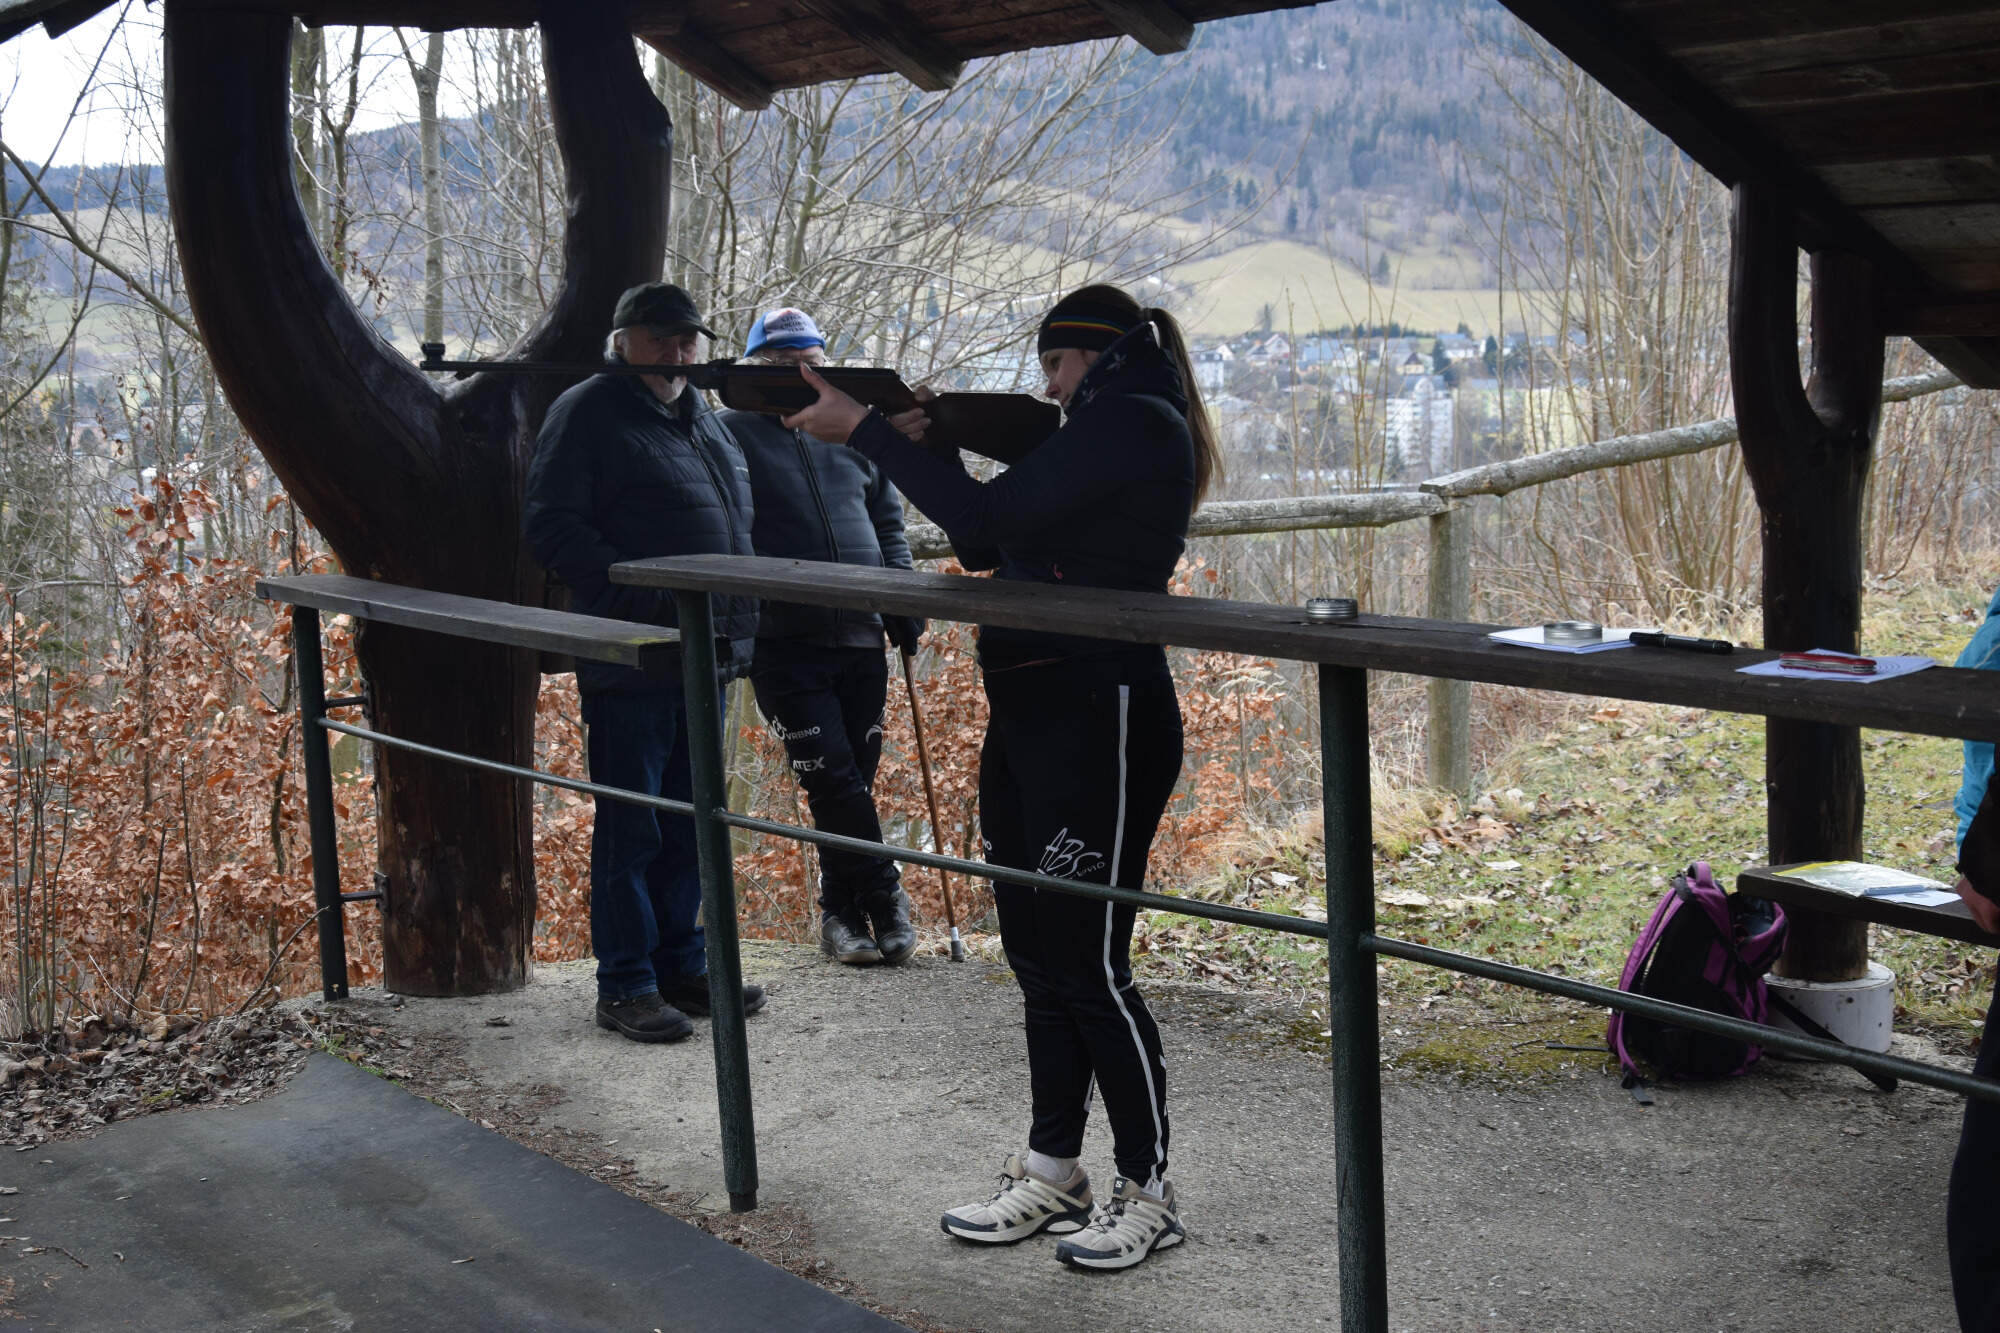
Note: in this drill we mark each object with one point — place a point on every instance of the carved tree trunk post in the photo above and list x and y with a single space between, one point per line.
1807 450
407 483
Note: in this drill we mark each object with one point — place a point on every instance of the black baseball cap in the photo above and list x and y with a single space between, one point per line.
659 305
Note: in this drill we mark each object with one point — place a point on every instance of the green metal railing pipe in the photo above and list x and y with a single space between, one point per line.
1351 999
718 899
1700 1020
313 748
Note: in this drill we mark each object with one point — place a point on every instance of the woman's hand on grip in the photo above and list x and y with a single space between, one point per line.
832 417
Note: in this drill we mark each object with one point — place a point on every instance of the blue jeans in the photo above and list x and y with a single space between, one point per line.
645 885
1983 653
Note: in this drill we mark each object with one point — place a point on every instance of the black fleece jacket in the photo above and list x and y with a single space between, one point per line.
619 475
1102 503
818 501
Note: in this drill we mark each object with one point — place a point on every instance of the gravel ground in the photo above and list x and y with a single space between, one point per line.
1525 1190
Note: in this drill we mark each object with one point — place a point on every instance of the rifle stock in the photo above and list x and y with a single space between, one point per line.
1000 426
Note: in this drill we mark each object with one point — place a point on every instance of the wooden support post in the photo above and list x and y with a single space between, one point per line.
1450 739
1807 450
411 482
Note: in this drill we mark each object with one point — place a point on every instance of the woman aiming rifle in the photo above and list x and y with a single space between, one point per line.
1083 742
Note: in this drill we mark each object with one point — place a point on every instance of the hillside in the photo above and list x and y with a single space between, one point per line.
1283 284
1346 154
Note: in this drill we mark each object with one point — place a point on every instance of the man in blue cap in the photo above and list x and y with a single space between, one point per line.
626 467
819 673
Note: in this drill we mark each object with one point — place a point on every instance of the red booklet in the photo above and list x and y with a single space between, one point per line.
1836 663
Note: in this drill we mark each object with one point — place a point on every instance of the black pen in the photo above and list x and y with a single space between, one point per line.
1687 643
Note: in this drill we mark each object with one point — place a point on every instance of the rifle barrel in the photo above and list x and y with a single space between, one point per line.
1002 426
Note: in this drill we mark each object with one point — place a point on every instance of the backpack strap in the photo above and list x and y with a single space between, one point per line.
1636 964
1811 1028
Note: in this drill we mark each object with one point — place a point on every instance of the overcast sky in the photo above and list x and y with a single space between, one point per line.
115 69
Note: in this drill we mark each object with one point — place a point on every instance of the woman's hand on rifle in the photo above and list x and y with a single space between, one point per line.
834 416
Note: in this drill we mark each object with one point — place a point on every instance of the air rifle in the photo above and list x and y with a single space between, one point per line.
1000 426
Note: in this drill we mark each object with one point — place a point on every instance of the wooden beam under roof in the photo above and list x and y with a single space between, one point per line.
1974 360
1613 50
1976 315
1154 24
1804 153
56 16
895 38
701 57
72 14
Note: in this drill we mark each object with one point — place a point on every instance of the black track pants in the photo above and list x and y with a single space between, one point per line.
1972 1209
826 705
1079 760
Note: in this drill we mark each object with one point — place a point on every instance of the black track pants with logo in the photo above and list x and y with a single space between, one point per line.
826 705
1079 760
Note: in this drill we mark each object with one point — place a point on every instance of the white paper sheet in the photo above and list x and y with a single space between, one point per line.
1886 668
1531 637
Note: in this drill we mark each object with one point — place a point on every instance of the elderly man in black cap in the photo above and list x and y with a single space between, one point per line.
626 467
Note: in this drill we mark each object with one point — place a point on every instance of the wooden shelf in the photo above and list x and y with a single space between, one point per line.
1942 701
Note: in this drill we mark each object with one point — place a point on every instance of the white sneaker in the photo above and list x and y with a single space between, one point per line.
1025 1204
1125 1230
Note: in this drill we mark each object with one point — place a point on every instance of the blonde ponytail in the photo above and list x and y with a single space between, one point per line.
1207 449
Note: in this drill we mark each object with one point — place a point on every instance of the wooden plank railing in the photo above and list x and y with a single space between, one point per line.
1443 501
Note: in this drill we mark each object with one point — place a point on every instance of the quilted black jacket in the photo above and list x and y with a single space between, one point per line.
818 501
1102 503
619 475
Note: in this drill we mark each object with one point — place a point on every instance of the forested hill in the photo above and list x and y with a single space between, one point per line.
1358 127
1358 97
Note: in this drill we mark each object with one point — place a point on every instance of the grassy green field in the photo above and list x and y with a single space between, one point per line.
1558 864
1307 289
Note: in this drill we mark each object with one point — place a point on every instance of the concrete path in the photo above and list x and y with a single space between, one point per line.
345 1202
1795 1199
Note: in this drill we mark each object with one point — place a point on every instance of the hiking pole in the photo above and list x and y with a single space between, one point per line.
930 794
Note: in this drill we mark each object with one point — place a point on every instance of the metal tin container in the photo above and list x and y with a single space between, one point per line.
1332 610
1572 631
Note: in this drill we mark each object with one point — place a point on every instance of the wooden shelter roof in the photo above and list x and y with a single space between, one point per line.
1879 118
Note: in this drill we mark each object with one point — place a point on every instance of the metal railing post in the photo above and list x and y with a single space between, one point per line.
718 899
1357 1076
1449 744
313 746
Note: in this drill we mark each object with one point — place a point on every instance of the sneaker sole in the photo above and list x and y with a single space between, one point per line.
1056 1224
1071 1257
681 1033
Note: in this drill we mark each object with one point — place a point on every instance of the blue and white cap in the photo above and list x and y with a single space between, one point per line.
784 327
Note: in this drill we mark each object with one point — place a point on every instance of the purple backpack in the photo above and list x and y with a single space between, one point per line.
1709 950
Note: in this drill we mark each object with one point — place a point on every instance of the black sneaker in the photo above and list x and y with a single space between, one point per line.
889 913
690 994
844 937
644 1018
